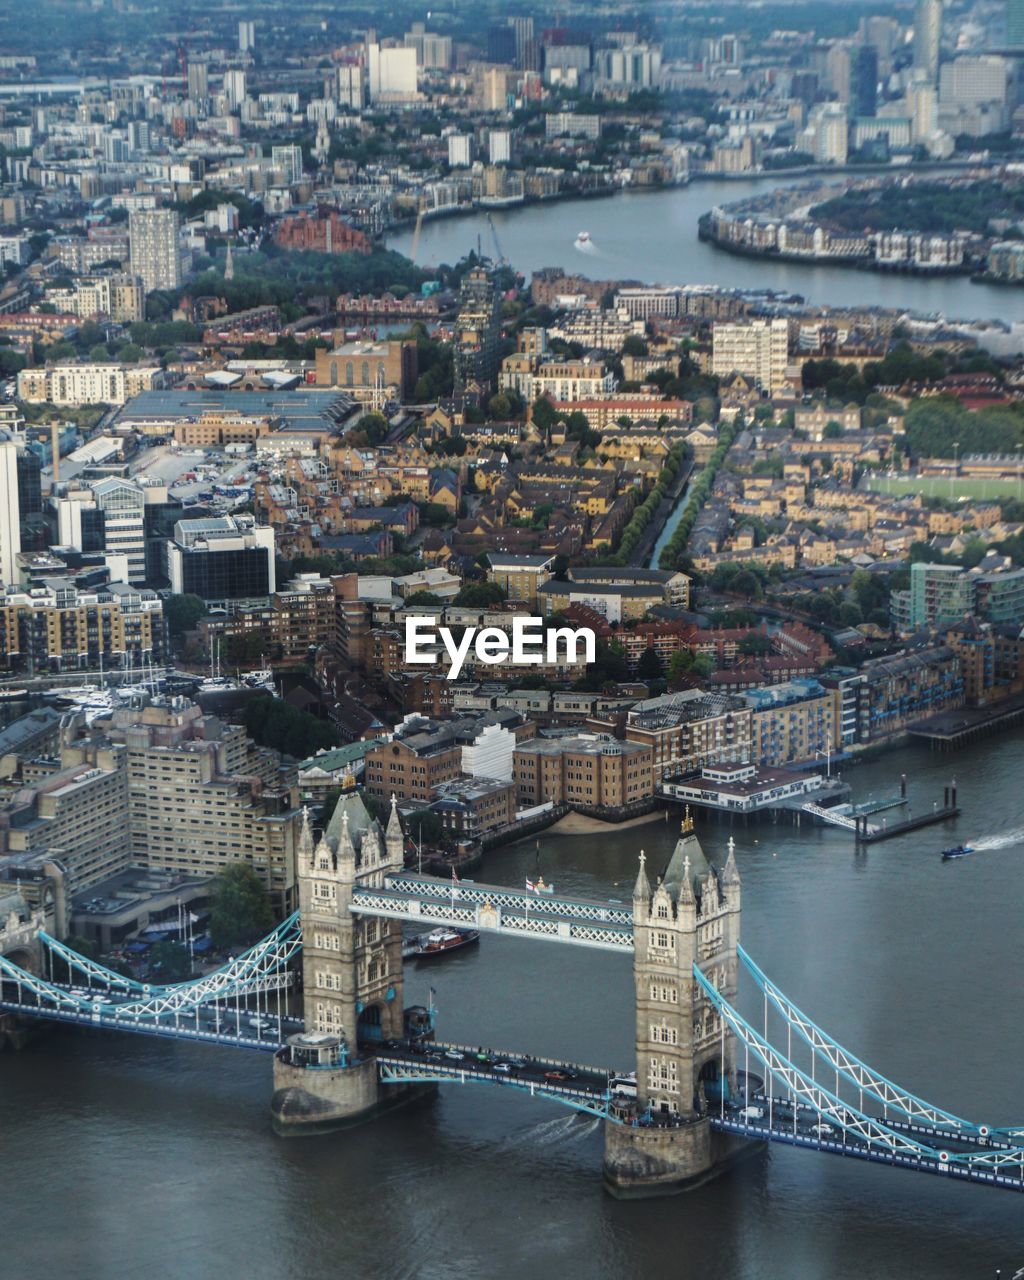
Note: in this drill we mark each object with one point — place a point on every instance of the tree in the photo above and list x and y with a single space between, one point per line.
241 910
171 961
183 612
543 414
374 426
634 346
755 643
480 594
650 666
424 597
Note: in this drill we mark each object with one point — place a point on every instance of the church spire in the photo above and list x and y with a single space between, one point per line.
229 265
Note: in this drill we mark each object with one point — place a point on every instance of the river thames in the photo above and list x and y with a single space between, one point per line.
126 1158
652 237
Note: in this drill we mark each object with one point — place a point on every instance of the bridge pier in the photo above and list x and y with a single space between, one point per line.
312 1097
666 1160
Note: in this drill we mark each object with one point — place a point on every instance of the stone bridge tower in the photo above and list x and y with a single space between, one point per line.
683 1062
352 974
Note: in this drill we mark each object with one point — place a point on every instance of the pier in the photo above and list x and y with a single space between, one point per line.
866 833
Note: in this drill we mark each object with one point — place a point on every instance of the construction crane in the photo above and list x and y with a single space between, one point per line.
502 260
414 250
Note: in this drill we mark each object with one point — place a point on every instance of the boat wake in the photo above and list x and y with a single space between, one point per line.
588 247
1006 841
545 1134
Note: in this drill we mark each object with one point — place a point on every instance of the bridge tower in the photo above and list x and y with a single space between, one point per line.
684 1058
352 975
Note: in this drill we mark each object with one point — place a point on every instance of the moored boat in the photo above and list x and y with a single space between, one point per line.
440 942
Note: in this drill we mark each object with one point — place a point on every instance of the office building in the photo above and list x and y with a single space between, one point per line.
154 236
460 150
234 88
758 349
499 146
289 160
971 80
501 43
864 86
198 82
246 36
927 39
221 559
123 503
391 73
10 520
351 86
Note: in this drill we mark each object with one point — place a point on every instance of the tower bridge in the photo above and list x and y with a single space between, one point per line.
710 1084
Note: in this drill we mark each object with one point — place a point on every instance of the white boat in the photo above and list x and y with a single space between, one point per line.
583 237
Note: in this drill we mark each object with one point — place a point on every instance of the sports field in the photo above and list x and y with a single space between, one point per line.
955 489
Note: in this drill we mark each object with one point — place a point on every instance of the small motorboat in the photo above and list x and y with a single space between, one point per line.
441 941
957 851
583 237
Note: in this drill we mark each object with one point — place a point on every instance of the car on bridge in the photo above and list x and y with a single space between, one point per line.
560 1075
453 1055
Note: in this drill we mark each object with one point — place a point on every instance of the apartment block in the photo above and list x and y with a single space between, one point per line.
591 772
758 349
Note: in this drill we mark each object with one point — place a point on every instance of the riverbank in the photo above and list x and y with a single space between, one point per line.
582 824
846 262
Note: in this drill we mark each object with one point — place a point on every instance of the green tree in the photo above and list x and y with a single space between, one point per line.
182 612
650 666
424 597
634 346
480 594
241 911
170 961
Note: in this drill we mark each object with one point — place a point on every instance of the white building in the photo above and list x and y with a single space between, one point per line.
392 72
351 87
289 160
14 249
491 754
460 150
246 36
10 513
758 349
154 237
499 146
234 86
77 384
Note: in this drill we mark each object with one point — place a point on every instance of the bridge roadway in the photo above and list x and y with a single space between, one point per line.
235 1025
812 1132
582 1087
587 922
587 1089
